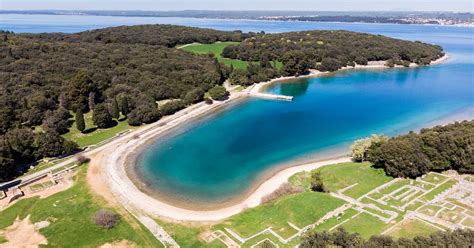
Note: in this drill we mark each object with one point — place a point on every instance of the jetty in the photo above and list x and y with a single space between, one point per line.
271 96
254 91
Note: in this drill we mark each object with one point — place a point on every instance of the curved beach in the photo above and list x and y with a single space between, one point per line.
132 193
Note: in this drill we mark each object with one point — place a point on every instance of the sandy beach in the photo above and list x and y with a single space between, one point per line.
118 161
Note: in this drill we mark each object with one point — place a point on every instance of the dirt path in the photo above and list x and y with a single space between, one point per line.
22 234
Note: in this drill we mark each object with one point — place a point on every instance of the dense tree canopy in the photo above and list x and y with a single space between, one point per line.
330 50
433 149
341 238
162 35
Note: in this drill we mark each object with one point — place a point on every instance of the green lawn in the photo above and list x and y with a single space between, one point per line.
340 176
70 213
300 209
332 222
216 49
188 236
434 178
365 224
92 135
259 238
438 190
411 229
391 188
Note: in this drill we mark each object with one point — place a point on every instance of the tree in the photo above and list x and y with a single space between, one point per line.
218 92
145 112
330 64
194 96
91 100
390 63
172 107
101 116
341 238
433 149
80 123
57 120
361 146
21 144
105 219
317 182
7 163
78 90
51 144
115 112
219 70
124 106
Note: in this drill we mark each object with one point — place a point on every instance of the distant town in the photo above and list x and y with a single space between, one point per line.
397 17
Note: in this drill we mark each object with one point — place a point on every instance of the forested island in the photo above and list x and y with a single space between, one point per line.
122 73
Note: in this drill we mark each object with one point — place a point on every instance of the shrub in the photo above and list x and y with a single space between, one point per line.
194 96
208 101
284 189
218 92
105 219
172 107
82 159
266 244
361 146
317 183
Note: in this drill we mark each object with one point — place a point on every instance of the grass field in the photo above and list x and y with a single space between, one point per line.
92 135
70 215
340 176
216 49
332 222
187 236
411 229
300 209
439 190
365 224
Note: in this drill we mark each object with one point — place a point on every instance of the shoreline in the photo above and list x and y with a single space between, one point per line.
126 185
259 87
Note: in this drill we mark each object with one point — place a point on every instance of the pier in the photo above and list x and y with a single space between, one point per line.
254 91
271 96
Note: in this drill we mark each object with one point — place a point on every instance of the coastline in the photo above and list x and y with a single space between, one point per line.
257 88
127 185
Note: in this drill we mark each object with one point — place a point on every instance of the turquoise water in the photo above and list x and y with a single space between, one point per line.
220 156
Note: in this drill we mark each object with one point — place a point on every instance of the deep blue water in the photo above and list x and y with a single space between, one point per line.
221 155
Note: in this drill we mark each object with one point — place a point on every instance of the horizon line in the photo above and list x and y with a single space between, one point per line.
228 10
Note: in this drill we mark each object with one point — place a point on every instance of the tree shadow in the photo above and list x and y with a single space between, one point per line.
113 123
89 130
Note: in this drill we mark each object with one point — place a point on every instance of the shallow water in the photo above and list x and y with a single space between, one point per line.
219 157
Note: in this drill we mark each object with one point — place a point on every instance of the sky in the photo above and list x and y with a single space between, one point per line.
316 5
